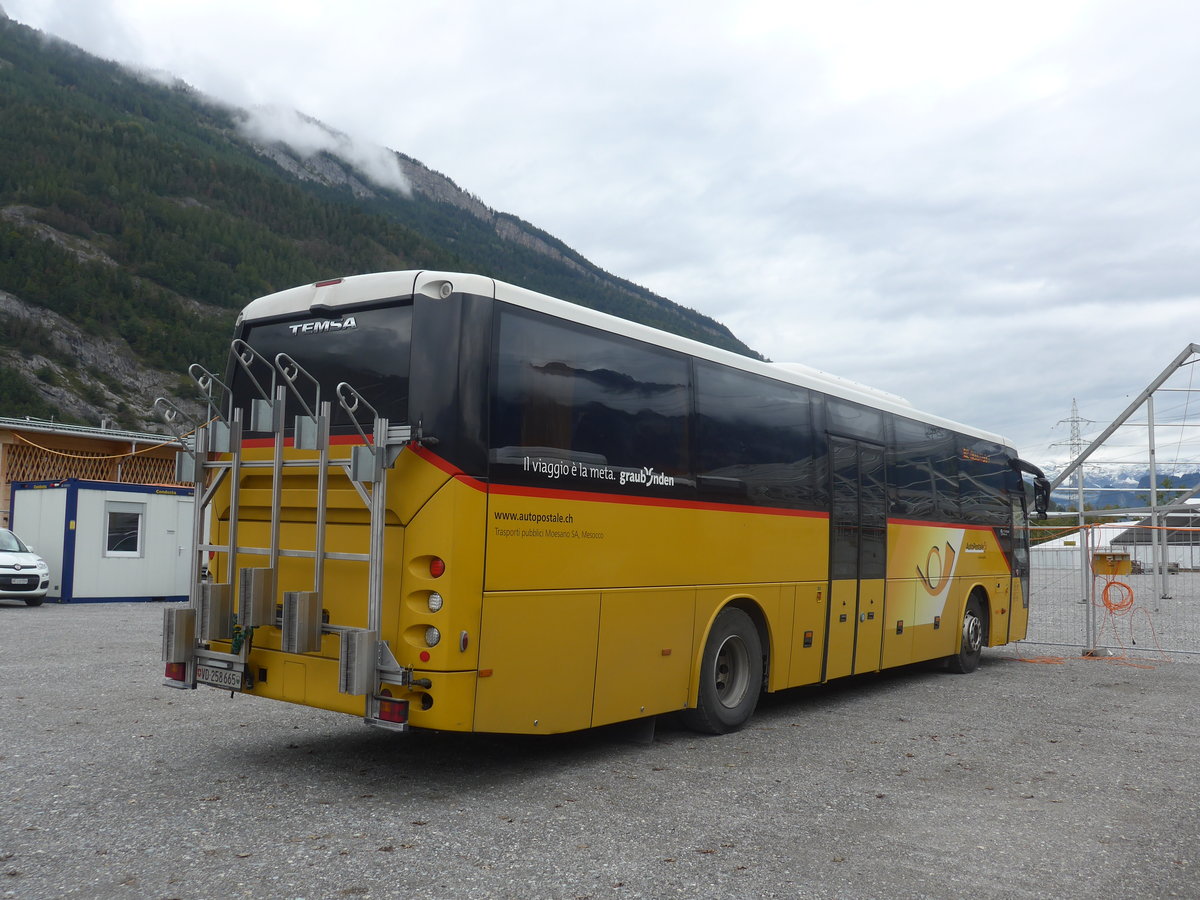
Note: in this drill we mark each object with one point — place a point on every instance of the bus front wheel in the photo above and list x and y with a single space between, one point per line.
974 632
731 673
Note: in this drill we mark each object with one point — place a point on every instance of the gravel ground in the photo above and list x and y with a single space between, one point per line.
1023 780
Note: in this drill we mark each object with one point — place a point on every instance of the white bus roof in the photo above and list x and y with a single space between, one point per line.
325 297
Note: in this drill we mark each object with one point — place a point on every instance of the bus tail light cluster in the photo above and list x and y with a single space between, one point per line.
391 710
426 636
177 671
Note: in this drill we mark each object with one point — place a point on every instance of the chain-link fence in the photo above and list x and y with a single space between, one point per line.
1124 587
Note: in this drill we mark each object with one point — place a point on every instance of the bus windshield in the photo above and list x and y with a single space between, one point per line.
369 349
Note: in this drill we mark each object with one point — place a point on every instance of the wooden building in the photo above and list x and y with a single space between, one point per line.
37 450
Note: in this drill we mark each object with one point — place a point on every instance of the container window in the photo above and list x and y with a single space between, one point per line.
123 528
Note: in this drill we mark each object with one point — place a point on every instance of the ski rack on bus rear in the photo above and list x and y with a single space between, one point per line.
365 659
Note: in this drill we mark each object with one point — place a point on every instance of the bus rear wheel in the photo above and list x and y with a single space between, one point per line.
731 673
974 633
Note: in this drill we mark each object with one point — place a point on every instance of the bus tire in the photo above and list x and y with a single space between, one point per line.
731 674
974 634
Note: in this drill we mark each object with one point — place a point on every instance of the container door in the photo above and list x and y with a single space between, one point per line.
184 525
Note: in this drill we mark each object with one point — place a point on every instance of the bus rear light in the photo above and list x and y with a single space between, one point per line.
437 567
393 711
177 671
435 602
432 636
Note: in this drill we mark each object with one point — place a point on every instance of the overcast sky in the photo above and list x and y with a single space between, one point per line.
987 208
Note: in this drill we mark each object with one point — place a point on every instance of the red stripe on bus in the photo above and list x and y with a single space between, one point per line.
512 490
433 459
336 440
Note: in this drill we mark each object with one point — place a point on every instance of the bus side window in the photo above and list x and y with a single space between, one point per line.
945 456
754 437
855 420
590 395
911 473
983 473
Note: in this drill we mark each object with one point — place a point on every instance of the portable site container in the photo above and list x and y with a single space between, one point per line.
107 541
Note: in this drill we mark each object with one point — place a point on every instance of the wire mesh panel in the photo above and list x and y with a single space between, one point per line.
148 470
1111 588
1057 608
31 463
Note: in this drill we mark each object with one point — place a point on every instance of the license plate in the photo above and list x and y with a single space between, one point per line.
21 581
229 679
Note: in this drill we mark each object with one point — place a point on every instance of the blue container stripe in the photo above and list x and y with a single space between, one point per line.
72 516
118 486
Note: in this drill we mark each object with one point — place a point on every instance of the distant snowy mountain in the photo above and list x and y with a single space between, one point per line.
1121 485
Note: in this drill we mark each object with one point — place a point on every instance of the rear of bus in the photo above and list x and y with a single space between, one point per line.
343 569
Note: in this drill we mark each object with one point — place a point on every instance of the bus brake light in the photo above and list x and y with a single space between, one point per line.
437 568
393 711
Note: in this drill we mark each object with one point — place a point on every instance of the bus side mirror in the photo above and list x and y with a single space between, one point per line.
1041 485
1041 496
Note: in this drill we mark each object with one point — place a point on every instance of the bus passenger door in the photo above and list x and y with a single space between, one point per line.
858 556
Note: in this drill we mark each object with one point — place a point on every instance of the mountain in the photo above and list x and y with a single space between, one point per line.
138 217
1126 486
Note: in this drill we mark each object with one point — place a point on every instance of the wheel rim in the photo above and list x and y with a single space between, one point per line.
972 632
731 671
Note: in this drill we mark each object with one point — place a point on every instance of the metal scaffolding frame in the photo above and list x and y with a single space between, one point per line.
1155 511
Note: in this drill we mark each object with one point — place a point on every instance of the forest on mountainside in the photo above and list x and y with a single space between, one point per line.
138 213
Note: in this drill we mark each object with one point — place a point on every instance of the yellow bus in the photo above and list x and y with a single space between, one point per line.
435 500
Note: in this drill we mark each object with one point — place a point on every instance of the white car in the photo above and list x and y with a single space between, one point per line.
23 574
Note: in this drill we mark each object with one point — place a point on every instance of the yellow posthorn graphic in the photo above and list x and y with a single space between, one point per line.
937 573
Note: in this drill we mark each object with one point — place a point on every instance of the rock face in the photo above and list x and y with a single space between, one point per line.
321 168
90 379
326 168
